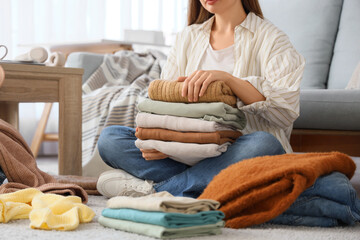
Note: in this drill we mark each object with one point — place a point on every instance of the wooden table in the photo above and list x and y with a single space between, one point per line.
33 83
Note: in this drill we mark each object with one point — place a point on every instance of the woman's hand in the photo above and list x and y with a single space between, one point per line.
152 154
196 84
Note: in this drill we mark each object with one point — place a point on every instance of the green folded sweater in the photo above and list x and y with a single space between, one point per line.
215 111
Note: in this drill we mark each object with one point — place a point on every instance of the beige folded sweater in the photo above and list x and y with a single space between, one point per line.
170 91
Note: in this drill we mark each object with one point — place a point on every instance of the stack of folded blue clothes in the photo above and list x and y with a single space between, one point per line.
162 215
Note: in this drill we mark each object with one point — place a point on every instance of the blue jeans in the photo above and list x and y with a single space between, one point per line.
2 176
331 201
117 149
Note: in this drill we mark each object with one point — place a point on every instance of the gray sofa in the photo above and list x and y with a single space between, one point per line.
327 34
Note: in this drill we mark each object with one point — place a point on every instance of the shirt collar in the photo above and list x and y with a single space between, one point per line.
250 23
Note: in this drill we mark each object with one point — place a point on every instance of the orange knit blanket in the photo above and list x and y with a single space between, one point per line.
257 190
170 91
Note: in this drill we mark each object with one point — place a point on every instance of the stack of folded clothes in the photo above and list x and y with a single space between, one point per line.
162 215
188 132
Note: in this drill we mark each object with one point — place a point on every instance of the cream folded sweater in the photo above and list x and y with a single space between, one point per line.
187 153
183 124
164 202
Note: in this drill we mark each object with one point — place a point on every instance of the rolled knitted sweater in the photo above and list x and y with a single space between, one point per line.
170 91
218 137
259 189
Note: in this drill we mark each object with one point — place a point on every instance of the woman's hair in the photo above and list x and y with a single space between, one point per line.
198 14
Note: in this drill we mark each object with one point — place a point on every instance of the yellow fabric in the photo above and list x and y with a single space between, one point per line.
45 211
51 211
16 205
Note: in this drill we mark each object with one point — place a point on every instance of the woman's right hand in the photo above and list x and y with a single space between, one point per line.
152 154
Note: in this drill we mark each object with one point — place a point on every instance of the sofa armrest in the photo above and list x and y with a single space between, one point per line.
88 61
329 109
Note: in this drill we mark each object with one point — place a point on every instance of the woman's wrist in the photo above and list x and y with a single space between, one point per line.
233 81
228 78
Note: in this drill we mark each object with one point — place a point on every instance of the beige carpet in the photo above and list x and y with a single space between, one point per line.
19 229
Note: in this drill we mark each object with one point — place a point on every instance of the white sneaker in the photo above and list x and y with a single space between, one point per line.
117 182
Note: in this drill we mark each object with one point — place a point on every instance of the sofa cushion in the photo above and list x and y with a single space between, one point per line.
330 109
311 26
88 61
347 46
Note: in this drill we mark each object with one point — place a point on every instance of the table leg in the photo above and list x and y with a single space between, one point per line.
70 126
9 112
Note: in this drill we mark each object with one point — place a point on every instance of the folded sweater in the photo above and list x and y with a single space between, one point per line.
168 220
164 202
170 91
216 111
257 190
218 137
183 124
160 231
187 153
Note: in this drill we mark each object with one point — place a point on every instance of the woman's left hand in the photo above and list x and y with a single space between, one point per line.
196 84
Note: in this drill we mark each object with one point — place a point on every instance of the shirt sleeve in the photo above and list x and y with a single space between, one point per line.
280 86
171 70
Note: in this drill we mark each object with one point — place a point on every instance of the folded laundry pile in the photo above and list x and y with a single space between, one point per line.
188 132
45 211
162 215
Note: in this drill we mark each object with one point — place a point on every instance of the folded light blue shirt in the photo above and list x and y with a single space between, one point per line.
166 219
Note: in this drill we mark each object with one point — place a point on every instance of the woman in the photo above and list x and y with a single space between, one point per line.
226 40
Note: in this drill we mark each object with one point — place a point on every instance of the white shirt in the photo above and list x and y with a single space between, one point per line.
222 60
264 57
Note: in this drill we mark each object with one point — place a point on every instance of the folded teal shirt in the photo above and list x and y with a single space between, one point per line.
166 219
160 231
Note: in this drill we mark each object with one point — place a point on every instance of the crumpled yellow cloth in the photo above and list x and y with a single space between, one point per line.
45 211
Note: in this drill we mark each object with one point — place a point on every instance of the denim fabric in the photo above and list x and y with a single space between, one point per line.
2 176
331 201
117 149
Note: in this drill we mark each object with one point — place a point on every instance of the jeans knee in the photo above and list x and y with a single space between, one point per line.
107 138
268 144
104 141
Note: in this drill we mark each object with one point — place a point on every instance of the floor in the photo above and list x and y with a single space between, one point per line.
48 164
